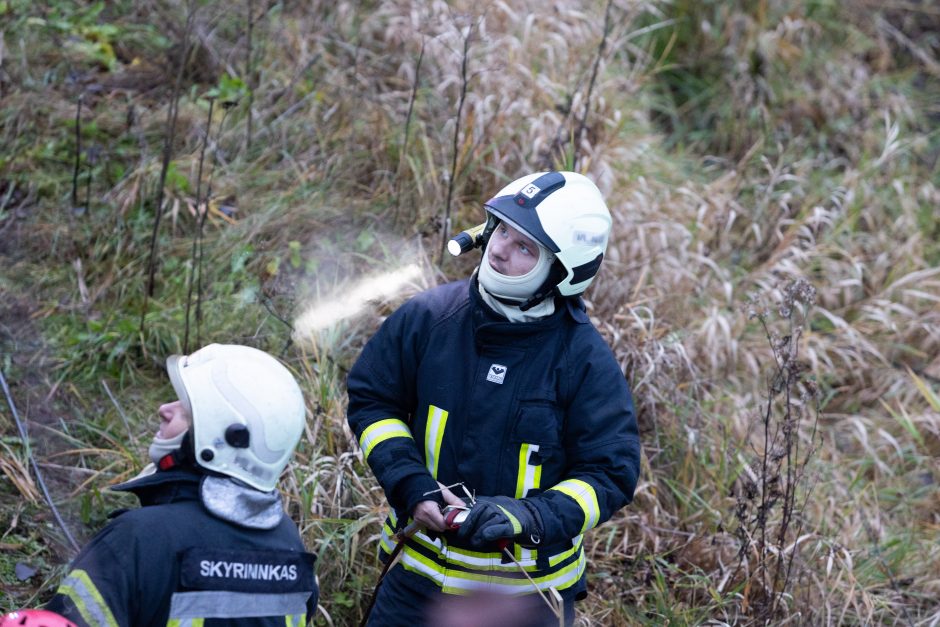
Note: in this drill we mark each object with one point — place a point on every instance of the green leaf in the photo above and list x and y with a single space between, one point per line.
229 91
175 179
294 254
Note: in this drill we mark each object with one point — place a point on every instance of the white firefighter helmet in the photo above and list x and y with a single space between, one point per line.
565 213
247 411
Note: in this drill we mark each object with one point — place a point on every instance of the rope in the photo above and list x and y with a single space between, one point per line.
42 484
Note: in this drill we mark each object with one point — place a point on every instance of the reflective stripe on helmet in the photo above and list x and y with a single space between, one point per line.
584 495
380 431
79 587
203 604
434 434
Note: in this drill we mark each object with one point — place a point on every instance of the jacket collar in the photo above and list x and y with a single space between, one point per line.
163 486
491 328
223 497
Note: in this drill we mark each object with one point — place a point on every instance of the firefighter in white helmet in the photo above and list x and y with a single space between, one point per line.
502 384
211 543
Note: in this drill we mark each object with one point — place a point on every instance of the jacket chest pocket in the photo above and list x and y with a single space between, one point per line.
536 446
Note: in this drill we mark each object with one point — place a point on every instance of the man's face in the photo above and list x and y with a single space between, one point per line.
174 420
511 253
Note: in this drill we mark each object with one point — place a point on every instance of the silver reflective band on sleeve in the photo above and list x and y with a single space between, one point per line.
433 436
382 430
79 587
226 604
584 495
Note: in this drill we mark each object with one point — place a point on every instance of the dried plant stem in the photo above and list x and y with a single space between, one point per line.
42 483
408 118
451 183
582 123
78 149
169 136
248 72
202 228
197 232
782 464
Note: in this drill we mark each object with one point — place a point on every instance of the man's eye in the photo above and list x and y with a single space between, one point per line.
524 248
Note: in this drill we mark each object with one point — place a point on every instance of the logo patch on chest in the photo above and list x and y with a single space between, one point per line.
496 374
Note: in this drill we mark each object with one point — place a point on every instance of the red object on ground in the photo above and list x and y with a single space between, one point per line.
34 618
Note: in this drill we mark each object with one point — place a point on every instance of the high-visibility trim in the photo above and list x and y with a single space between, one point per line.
454 581
380 431
186 622
79 587
448 556
296 620
441 557
203 604
554 560
433 436
530 475
387 539
516 525
458 582
584 495
421 565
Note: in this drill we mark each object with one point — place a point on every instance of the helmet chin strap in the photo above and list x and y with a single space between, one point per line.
547 288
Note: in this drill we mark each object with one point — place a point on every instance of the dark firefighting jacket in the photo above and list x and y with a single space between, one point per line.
171 562
448 390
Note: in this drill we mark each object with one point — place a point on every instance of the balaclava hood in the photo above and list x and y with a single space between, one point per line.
515 288
161 447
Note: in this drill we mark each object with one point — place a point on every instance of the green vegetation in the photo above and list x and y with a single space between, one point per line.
790 472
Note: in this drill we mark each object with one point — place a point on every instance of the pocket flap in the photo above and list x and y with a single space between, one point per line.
538 424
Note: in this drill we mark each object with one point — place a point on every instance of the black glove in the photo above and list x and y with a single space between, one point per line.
494 518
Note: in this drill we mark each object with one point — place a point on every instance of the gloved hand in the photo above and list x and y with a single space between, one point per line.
495 518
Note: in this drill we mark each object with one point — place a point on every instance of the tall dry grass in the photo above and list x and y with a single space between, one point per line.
741 146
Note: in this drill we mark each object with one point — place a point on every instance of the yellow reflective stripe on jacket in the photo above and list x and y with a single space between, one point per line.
585 497
457 582
433 435
79 587
530 475
476 560
380 431
461 582
186 622
576 546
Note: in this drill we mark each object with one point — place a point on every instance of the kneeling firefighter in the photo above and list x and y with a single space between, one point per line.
502 384
210 544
